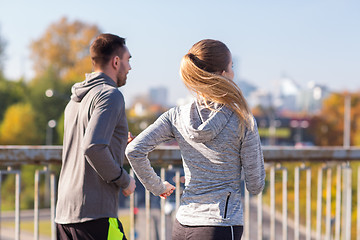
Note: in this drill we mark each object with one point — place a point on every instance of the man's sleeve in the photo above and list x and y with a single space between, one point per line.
98 134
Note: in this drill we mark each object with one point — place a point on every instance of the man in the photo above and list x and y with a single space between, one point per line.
95 138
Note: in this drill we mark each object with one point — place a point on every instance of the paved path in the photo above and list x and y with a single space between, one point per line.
9 234
25 215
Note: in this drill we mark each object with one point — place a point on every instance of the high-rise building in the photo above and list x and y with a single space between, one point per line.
158 95
286 93
310 100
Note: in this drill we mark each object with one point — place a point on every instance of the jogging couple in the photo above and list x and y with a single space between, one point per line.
216 133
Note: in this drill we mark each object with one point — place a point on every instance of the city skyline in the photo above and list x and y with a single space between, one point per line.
307 41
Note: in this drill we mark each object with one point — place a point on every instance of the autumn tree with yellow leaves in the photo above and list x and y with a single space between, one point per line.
64 48
328 126
60 57
18 126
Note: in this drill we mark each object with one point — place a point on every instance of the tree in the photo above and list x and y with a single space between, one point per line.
48 107
11 92
328 126
64 48
2 54
19 126
60 57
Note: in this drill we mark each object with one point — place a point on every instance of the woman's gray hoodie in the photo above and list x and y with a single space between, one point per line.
213 155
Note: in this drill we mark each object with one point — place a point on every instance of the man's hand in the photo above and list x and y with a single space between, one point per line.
130 137
169 189
131 188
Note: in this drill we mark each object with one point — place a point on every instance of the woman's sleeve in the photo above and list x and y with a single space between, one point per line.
253 161
137 152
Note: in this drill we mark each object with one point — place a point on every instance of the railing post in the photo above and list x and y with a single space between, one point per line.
285 217
247 214
328 204
338 203
348 202
162 214
132 208
358 206
52 205
347 197
319 204
46 172
178 190
17 204
308 203
17 174
36 205
259 217
147 215
272 203
297 202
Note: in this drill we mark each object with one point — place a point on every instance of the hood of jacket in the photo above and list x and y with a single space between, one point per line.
80 89
202 123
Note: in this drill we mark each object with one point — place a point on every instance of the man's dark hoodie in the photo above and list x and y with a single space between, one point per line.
95 138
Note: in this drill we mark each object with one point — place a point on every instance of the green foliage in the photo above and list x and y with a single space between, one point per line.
61 56
2 54
138 124
10 92
27 186
60 129
48 108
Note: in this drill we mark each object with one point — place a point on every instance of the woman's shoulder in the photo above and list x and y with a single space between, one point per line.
180 109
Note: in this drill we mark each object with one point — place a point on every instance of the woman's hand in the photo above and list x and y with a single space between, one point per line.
169 189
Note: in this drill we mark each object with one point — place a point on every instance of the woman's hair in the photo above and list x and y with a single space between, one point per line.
201 70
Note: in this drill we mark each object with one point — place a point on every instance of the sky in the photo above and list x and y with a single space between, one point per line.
308 41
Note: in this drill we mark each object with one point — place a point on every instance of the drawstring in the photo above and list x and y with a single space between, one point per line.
232 233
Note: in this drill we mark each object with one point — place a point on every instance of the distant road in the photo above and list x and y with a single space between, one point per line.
25 215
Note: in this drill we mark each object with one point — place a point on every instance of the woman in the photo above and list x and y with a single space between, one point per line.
217 136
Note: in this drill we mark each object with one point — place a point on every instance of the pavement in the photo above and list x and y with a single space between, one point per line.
7 233
140 223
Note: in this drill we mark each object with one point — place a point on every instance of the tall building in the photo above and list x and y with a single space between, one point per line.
286 94
260 97
158 96
310 100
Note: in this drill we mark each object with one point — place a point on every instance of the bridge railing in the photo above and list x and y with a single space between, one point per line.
311 193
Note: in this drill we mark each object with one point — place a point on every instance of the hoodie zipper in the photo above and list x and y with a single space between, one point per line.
226 204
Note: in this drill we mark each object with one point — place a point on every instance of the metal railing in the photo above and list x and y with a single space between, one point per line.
330 222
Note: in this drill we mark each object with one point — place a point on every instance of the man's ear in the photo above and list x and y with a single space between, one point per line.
115 62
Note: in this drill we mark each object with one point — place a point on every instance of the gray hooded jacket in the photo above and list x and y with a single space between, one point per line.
95 139
213 157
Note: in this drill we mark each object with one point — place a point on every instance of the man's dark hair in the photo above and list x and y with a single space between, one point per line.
104 47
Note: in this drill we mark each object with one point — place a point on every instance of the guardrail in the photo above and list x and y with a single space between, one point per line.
330 222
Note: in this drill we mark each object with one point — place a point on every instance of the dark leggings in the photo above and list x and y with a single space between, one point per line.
182 232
